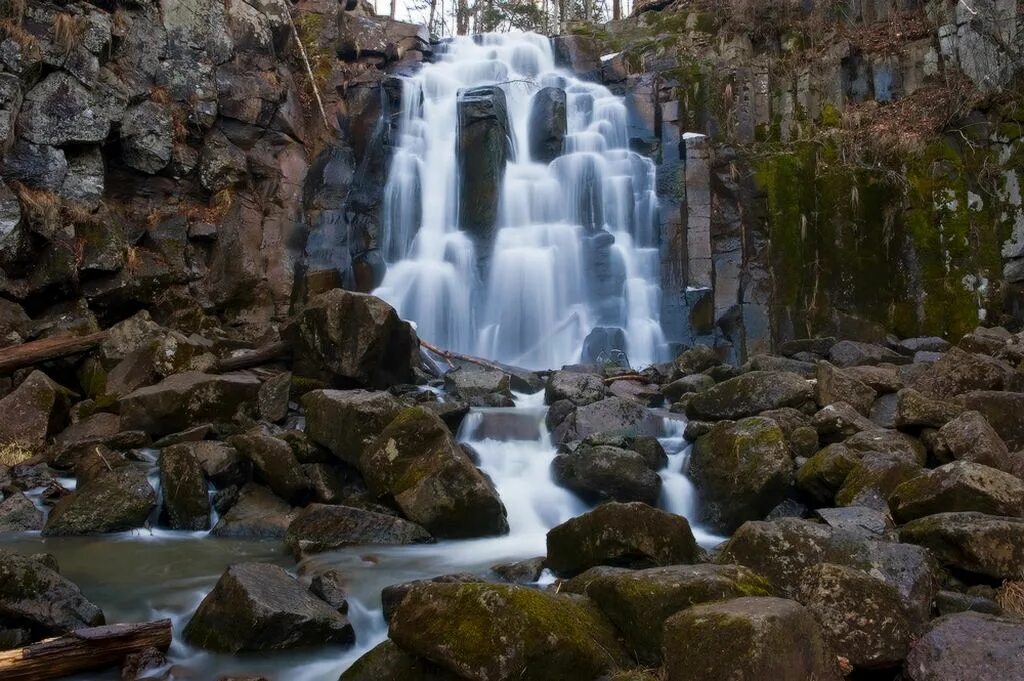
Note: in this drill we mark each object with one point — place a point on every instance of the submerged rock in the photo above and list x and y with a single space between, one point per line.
320 527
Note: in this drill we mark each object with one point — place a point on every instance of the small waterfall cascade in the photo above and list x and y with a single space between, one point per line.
574 242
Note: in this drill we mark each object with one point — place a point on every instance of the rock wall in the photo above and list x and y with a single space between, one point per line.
846 166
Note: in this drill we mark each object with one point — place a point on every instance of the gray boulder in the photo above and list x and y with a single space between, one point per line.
180 401
118 500
983 544
968 645
147 137
35 596
578 388
346 421
749 394
958 486
185 503
547 124
601 473
320 527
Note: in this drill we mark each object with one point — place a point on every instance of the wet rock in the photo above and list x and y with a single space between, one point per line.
35 596
861 616
185 501
391 596
888 443
742 470
19 514
644 393
1002 410
697 359
272 399
836 386
119 500
522 571
481 387
482 150
257 514
547 124
257 606
320 527
646 446
974 542
221 463
747 639
694 383
416 462
874 478
182 400
345 421
274 465
859 521
838 421
579 389
144 664
968 646
959 372
601 473
750 394
146 137
388 661
330 586
352 339
969 437
849 353
823 474
32 411
555 637
958 486
630 535
610 415
638 602
95 461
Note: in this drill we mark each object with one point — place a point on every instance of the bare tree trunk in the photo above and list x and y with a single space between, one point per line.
561 15
462 17
394 8
430 19
616 9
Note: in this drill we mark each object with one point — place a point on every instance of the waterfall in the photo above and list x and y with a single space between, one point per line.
575 239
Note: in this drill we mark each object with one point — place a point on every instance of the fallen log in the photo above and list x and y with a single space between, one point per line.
16 357
254 358
449 355
83 650
640 378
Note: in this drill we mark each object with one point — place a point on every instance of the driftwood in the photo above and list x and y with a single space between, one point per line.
25 355
254 358
449 355
83 650
628 377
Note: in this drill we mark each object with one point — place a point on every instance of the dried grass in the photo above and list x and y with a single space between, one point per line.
1010 597
11 29
13 453
41 204
68 30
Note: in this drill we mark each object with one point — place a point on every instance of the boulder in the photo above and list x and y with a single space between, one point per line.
482 151
638 391
416 462
1002 410
147 137
611 415
969 437
19 514
391 596
960 372
968 645
888 443
185 503
32 411
352 339
258 606
848 353
497 632
257 514
958 486
747 639
118 500
859 521
580 389
838 421
750 394
822 475
860 615
602 473
983 544
273 397
775 363
741 471
836 386
35 596
547 124
638 602
696 360
883 411
274 465
60 110
345 421
873 479
481 387
686 385
883 379
630 535
915 409
181 401
320 527
388 661
221 463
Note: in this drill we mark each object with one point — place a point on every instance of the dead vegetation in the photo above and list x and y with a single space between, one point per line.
68 30
1010 597
13 453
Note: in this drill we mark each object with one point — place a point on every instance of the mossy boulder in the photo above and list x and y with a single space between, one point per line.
617 415
631 535
959 372
915 409
388 661
639 601
742 470
498 632
822 475
958 486
834 385
480 387
874 478
578 388
181 401
1002 410
118 500
391 596
258 606
697 359
747 639
37 408
970 437
750 394
185 501
345 421
320 527
274 465
885 442
968 645
838 421
416 462
979 543
603 473
35 596
19 514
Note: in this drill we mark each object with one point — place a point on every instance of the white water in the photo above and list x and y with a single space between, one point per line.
536 300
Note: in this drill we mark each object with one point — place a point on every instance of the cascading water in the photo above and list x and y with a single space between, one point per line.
576 242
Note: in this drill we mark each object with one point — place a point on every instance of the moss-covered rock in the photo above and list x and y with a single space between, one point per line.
345 421
603 473
185 501
970 437
183 400
915 409
874 478
987 545
960 372
320 527
749 394
578 388
388 661
118 500
498 632
34 596
958 486
616 415
833 385
822 475
38 407
968 645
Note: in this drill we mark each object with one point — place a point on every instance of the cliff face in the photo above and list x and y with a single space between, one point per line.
856 164
172 154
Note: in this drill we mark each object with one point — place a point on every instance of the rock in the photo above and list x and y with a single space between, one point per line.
924 344
883 411
580 389
34 596
610 415
631 535
320 527
968 646
95 461
221 463
644 393
183 400
388 661
19 514
222 165
848 353
697 359
814 346
329 484
482 151
741 470
257 514
823 474
1002 410
481 387
838 421
604 473
836 386
59 110
274 465
330 587
418 463
32 411
969 437
185 501
883 379
750 394
859 521
119 500
874 478
37 165
693 383
774 363
861 616
949 602
975 542
521 571
84 185
147 137
959 372
915 409
272 398
517 631
144 664
888 443
958 486
547 124
346 421
747 639
391 596
350 340
257 606
638 602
